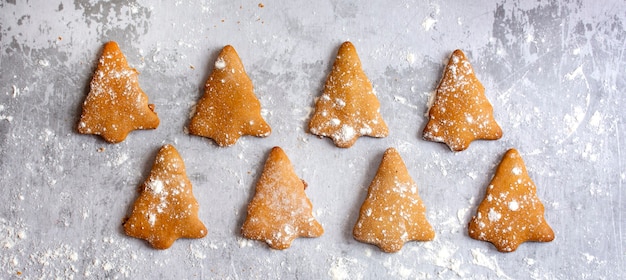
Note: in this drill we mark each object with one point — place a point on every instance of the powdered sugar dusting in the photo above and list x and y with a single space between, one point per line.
513 205
493 215
346 133
220 63
155 185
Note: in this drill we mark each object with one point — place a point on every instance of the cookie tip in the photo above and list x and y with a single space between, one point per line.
346 44
458 52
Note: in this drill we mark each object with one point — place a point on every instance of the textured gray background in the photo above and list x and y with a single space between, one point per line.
553 70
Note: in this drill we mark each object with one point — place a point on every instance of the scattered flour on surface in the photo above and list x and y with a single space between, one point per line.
573 121
430 102
596 122
589 258
480 259
338 270
107 266
576 73
441 254
368 252
403 101
396 268
343 268
3 116
428 23
410 57
10 235
196 252
243 242
121 159
461 214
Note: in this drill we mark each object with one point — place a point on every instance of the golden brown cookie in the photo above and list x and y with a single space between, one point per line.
228 109
461 112
115 105
280 210
166 208
393 212
348 107
511 213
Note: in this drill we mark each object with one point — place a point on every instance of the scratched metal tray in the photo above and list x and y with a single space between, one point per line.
552 70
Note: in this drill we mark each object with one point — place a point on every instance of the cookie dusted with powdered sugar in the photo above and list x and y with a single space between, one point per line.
348 107
229 108
511 212
115 105
461 112
280 211
166 208
393 212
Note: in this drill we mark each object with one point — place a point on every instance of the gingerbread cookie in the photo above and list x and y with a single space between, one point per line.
393 212
166 208
461 112
348 107
280 210
228 109
511 213
115 105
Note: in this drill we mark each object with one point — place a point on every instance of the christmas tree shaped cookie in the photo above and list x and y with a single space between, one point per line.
393 212
348 107
461 112
280 210
511 212
166 208
228 109
115 105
